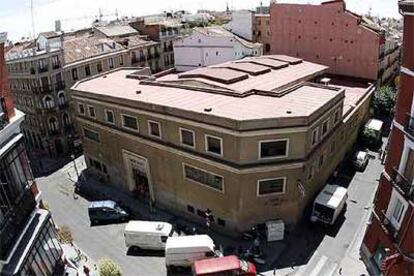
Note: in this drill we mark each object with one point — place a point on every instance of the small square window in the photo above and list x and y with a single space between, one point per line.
154 129
121 60
91 111
109 116
99 67
337 116
272 186
111 63
81 108
321 160
273 148
214 144
129 122
87 70
325 127
187 137
75 74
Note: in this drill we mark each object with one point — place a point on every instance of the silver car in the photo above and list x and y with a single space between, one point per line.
360 160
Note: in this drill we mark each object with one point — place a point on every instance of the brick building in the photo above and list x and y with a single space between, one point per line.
388 244
329 34
261 31
239 138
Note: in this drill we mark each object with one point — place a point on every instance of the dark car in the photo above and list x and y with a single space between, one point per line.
106 211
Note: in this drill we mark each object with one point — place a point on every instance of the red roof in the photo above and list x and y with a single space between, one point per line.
215 265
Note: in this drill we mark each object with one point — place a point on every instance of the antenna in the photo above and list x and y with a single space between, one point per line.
32 16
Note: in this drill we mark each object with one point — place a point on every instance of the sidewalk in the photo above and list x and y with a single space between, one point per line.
77 259
92 189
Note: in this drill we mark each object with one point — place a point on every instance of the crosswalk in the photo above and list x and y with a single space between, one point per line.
319 265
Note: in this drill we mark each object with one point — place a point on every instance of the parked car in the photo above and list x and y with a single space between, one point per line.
228 265
151 235
106 211
183 251
360 160
329 204
372 133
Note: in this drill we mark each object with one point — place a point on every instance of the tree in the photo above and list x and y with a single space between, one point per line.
383 101
64 234
108 267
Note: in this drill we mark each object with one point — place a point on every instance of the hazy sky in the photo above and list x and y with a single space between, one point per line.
16 20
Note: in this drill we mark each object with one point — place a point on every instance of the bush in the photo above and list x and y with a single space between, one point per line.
383 101
64 234
108 267
369 138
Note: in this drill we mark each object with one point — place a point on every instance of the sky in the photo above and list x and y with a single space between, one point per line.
15 15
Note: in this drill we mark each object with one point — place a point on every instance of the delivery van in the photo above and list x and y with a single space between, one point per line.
329 204
151 235
376 126
223 266
183 251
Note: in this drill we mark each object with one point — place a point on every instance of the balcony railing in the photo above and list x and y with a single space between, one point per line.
42 89
63 106
54 132
409 125
14 221
149 56
402 184
60 85
170 47
388 226
32 71
56 65
156 55
42 69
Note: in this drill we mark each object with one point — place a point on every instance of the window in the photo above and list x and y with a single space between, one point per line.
217 53
398 210
325 126
321 160
109 116
214 144
154 129
310 172
121 60
111 63
81 108
273 148
187 137
91 135
75 74
99 67
203 177
129 122
336 116
91 111
87 70
272 186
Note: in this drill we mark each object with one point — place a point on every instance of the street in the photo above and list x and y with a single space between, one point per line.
311 250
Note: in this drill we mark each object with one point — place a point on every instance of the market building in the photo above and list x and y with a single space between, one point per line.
251 140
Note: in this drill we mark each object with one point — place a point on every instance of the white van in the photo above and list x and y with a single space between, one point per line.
329 204
376 126
147 234
183 251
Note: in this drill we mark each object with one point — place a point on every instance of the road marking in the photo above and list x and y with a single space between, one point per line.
319 266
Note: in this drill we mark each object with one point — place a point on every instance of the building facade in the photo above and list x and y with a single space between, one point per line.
261 31
252 140
211 45
329 34
388 245
241 24
28 244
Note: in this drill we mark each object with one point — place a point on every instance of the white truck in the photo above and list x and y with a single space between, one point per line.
183 251
152 235
329 204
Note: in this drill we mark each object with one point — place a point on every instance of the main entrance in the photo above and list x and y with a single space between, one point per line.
139 177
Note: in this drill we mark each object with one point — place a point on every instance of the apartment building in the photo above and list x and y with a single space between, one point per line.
28 243
251 140
41 74
37 83
261 31
241 24
388 245
329 34
164 31
211 45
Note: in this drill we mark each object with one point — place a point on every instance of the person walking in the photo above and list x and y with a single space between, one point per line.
86 270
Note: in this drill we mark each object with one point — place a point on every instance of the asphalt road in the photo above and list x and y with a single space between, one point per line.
314 250
103 241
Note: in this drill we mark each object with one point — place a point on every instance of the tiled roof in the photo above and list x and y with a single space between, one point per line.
87 46
134 41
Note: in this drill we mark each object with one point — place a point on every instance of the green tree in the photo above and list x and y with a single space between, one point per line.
108 267
383 101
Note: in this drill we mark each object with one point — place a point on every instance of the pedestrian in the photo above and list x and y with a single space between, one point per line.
86 270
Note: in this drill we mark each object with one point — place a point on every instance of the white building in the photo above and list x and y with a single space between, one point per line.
241 24
211 45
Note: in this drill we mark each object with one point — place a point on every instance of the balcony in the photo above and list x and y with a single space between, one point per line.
32 71
68 129
56 65
387 226
149 56
60 85
15 221
42 69
141 58
54 132
402 184
63 106
170 47
156 55
42 89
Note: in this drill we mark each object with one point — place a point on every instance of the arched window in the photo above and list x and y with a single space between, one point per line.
61 98
53 124
48 102
66 120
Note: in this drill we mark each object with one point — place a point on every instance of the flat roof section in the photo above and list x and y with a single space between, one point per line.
247 67
274 64
222 75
